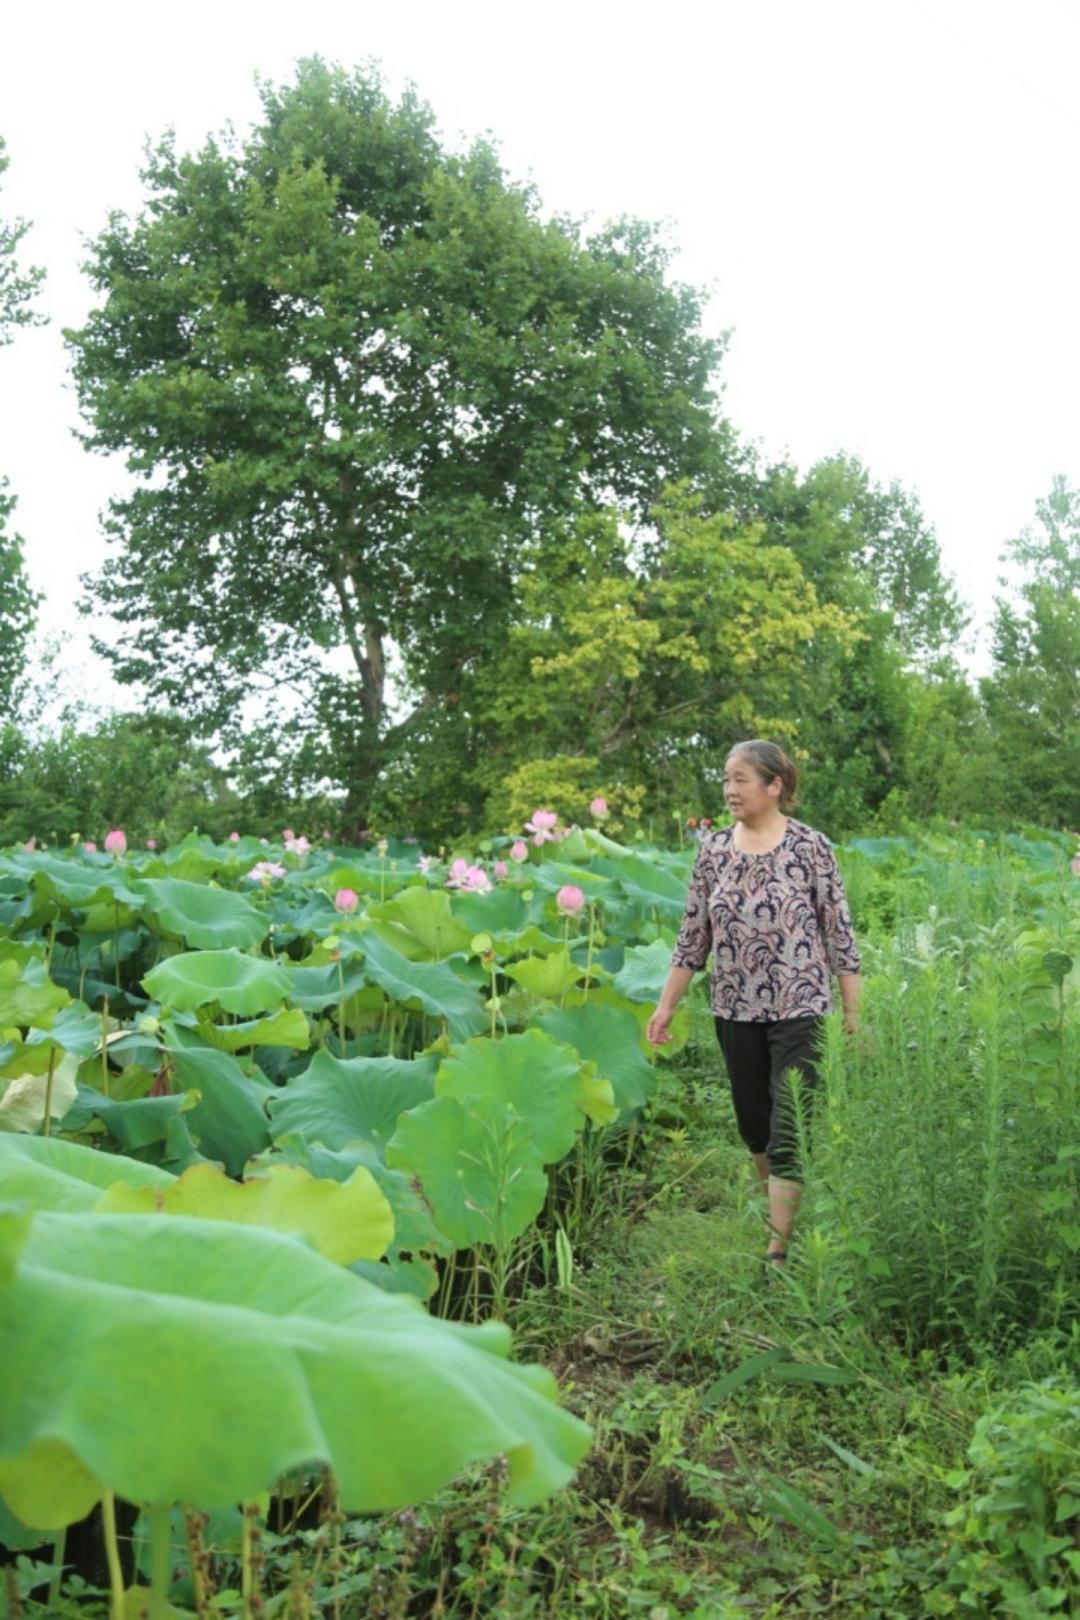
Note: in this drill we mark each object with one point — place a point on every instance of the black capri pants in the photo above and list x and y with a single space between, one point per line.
758 1057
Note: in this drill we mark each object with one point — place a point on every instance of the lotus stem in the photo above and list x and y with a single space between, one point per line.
52 942
116 941
589 957
341 1004
48 1092
59 1546
112 1556
105 1046
160 1560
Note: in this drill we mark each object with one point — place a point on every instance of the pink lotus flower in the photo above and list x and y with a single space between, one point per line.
519 850
570 900
90 847
542 826
286 834
234 838
599 808
469 878
151 843
264 841
426 862
501 869
30 846
263 871
115 842
346 900
297 846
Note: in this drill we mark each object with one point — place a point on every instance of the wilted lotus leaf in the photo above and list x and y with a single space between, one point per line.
344 1220
24 1097
45 1172
336 1100
242 984
420 924
547 976
539 1079
610 1037
433 985
28 996
195 1361
480 1169
209 919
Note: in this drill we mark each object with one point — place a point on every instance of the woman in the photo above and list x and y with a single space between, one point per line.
767 899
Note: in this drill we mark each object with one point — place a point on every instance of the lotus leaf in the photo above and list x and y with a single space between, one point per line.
420 924
432 985
610 1037
45 1172
480 1169
194 1361
241 984
208 919
649 884
344 1220
28 996
644 972
547 976
318 986
229 1120
338 1099
288 1027
140 1124
540 1080
500 911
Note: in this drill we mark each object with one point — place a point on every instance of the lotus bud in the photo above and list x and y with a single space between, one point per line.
519 850
151 843
501 869
115 842
346 900
570 900
90 847
599 808
234 838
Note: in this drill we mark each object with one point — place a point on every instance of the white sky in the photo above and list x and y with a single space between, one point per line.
881 196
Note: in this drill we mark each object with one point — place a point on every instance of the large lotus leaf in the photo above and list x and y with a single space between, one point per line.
368 879
75 1029
501 911
242 984
46 1172
653 886
26 1096
434 985
420 924
644 972
28 996
609 1036
539 1079
229 1121
554 875
480 1169
318 986
193 1361
547 976
641 1011
345 1220
338 1099
287 1027
75 885
208 919
414 1230
145 1123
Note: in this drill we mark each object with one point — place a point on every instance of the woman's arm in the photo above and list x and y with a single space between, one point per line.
691 949
838 935
677 981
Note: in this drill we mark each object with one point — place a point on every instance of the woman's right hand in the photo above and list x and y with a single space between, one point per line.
658 1027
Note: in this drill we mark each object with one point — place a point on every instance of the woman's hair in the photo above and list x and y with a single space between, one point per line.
771 762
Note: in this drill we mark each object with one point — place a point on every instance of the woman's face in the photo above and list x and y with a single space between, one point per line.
748 797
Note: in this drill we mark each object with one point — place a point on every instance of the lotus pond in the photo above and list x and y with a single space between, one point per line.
289 1134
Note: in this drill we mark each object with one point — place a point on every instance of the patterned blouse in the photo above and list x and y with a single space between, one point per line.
778 926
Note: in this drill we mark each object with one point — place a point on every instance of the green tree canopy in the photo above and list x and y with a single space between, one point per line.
1032 696
355 375
17 601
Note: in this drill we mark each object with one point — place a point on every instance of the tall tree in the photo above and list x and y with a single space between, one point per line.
1032 696
355 375
17 600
